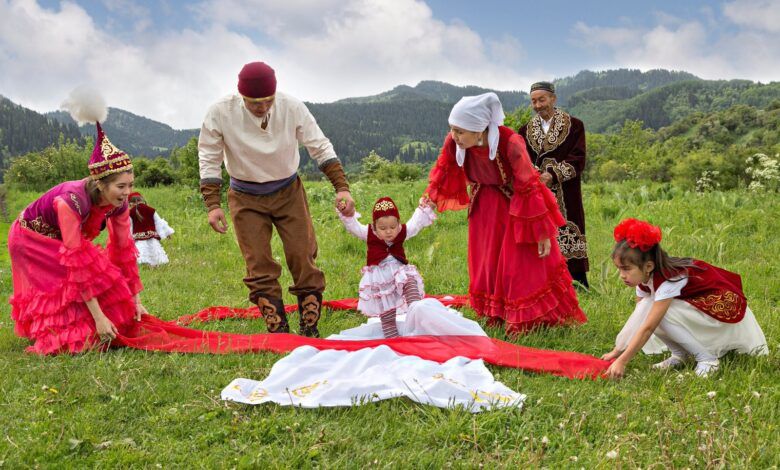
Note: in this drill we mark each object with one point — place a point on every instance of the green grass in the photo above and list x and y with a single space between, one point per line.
133 408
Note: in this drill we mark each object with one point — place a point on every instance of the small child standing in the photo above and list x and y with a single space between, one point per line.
697 310
148 229
389 283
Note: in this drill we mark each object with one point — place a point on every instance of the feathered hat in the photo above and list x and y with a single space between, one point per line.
87 105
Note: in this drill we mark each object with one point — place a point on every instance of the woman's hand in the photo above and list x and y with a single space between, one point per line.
544 247
614 354
105 329
426 201
616 370
139 309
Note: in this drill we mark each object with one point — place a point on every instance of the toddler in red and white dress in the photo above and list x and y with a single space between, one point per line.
389 283
148 229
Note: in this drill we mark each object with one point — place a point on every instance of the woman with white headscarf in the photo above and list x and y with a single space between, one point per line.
517 274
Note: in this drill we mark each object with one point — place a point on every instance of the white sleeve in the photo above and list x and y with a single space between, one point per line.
423 217
671 288
353 226
641 293
211 148
161 227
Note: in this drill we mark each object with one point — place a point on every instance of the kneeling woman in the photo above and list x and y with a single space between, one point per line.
70 294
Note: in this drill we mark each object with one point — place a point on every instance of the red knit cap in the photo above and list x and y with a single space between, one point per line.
257 81
384 207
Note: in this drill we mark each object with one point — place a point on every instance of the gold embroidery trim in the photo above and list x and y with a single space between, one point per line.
723 305
542 142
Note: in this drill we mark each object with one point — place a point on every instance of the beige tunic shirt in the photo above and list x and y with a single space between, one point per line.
232 134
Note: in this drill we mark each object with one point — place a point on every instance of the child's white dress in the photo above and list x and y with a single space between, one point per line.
381 287
716 338
150 251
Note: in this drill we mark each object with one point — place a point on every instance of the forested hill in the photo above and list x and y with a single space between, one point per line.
23 130
667 104
409 123
135 134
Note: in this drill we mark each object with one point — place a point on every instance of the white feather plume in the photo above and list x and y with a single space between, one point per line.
86 105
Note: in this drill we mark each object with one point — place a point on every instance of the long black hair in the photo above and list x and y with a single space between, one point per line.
668 266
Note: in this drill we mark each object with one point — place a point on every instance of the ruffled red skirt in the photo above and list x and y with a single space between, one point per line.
508 282
50 283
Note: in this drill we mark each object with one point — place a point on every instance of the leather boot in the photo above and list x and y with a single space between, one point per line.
273 314
310 308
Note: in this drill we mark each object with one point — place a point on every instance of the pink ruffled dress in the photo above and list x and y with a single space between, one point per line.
56 268
381 286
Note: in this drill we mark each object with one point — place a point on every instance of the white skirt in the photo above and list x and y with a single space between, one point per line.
151 252
715 336
382 286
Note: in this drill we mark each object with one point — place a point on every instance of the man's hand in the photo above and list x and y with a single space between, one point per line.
546 178
345 204
217 220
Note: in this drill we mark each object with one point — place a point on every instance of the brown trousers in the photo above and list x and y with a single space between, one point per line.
253 220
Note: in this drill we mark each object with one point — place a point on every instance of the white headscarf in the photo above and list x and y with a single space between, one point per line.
475 113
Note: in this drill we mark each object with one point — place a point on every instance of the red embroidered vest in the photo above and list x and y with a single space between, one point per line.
143 222
713 290
378 249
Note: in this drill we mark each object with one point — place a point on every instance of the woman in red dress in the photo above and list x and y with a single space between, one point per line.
517 274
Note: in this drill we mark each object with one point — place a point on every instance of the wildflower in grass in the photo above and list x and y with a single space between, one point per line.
711 395
545 441
612 454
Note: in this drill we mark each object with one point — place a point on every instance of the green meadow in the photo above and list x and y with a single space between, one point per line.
127 408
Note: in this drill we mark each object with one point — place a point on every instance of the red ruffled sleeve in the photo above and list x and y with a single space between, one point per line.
122 251
88 268
447 180
533 209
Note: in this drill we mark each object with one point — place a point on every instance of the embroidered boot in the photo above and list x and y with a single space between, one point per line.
389 325
310 308
273 314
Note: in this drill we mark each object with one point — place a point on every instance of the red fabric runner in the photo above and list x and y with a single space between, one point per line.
153 334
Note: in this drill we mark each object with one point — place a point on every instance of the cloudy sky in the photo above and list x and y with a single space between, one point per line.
169 59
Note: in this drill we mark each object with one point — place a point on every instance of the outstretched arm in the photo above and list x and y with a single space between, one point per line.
353 226
657 312
423 217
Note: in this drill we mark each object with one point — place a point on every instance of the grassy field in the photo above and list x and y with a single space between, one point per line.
131 408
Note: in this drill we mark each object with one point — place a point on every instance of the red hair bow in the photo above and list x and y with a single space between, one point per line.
638 234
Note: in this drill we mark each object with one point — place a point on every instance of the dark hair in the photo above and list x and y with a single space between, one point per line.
92 187
668 266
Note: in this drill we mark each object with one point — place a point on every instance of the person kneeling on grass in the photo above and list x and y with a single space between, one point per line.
697 310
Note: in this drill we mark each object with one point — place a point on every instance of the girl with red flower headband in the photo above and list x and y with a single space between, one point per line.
692 308
389 284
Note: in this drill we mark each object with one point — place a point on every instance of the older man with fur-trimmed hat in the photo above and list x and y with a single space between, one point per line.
256 133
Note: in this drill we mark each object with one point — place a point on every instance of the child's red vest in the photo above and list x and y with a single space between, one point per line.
143 222
378 249
711 289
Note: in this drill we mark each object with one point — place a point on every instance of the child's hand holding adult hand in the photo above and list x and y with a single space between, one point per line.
345 204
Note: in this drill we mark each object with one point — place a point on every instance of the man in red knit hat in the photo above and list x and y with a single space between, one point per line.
256 133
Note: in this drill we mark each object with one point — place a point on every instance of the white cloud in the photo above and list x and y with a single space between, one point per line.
755 14
712 50
321 50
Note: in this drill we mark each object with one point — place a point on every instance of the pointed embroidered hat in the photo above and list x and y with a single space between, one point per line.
85 104
106 159
384 207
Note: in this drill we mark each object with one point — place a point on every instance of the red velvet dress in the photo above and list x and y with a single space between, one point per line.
510 210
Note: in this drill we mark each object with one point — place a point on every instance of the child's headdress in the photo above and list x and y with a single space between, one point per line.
87 105
638 234
384 207
135 196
